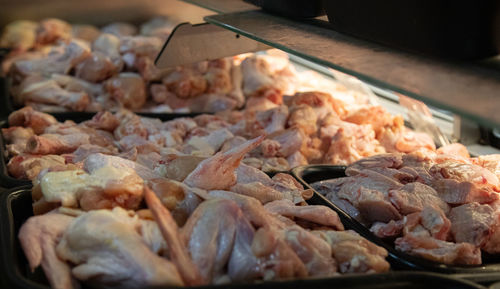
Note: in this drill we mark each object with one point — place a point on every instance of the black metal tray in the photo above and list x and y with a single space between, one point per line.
451 29
292 8
487 272
15 209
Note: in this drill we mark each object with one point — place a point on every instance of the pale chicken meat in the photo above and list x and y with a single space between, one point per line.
50 92
316 214
188 269
128 89
17 138
85 31
19 35
28 117
60 60
217 172
189 236
473 223
267 76
107 249
211 233
120 29
353 253
445 204
51 30
39 237
46 144
440 251
106 187
29 166
95 68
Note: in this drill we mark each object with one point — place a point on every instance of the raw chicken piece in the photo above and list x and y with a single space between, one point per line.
439 251
210 232
16 138
259 191
28 117
106 187
52 29
120 29
47 144
180 199
185 82
454 149
60 60
456 193
104 120
49 91
472 223
85 150
86 32
413 197
391 229
289 140
431 221
464 172
218 171
212 103
29 166
109 44
97 161
141 46
95 68
243 264
179 254
322 103
376 116
178 167
210 143
218 76
19 35
313 251
349 145
272 120
353 253
296 159
39 237
368 193
158 26
128 89
267 76
317 214
304 118
107 249
148 70
278 259
136 142
246 174
490 162
74 84
382 160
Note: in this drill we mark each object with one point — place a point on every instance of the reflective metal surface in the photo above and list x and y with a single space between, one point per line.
194 43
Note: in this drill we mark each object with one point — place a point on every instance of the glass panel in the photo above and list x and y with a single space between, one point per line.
470 89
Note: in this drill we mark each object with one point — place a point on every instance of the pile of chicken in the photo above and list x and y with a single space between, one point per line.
225 222
310 127
55 66
443 206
